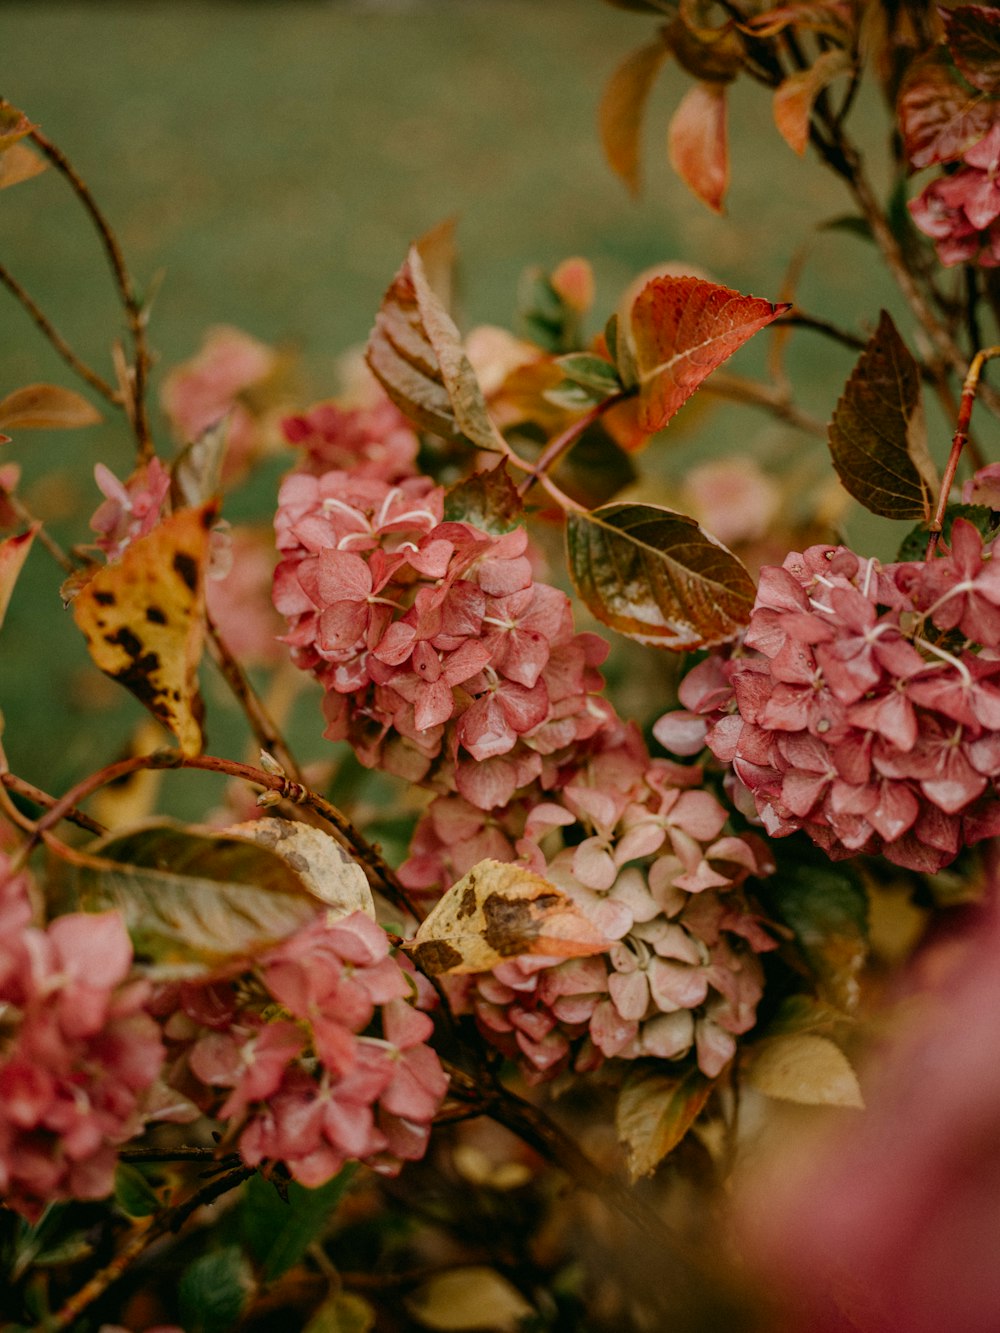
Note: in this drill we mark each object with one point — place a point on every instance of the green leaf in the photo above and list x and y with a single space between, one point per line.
416 353
593 372
803 1067
487 500
191 897
343 1313
973 33
133 1193
278 1233
878 437
850 223
548 319
984 519
825 906
215 1290
683 329
655 576
655 1111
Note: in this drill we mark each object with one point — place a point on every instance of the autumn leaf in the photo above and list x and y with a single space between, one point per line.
973 33
13 553
654 1112
19 163
46 407
655 576
833 19
143 619
806 1068
697 145
14 125
622 109
318 859
191 897
497 912
487 500
683 329
415 352
939 115
878 437
474 1297
793 100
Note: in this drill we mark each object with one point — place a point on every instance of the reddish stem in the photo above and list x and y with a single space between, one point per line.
959 441
556 447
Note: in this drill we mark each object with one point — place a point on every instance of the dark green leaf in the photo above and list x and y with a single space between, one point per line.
655 1111
655 576
878 438
548 320
574 397
277 1233
984 519
825 906
487 500
973 33
133 1193
591 371
850 223
214 1291
191 898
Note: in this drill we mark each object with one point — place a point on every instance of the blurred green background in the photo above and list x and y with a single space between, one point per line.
273 160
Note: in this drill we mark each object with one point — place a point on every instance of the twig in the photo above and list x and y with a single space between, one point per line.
261 723
798 319
134 312
560 444
958 441
31 793
24 514
739 389
49 330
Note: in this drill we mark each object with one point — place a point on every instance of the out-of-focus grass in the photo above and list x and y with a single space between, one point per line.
274 160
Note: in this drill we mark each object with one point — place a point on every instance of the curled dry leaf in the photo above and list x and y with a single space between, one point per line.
803 1067
655 576
498 912
878 437
144 622
683 328
318 859
13 553
654 1112
622 108
46 407
14 125
794 99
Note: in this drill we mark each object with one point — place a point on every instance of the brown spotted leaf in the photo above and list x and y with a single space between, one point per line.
13 553
416 353
682 329
143 619
191 897
654 1112
498 912
622 108
697 143
939 115
878 437
46 407
655 576
19 163
973 33
793 100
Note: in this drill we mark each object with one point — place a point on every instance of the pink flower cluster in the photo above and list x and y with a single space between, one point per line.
77 1052
961 212
864 705
371 441
313 1089
130 509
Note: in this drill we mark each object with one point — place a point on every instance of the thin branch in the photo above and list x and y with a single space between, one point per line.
35 794
134 312
798 319
739 389
262 725
24 514
562 443
959 440
49 330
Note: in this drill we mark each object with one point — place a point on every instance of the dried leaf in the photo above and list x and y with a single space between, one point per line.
714 55
415 352
14 125
878 437
143 618
793 100
833 19
973 33
654 1112
469 1298
196 472
697 145
46 407
939 115
13 553
655 576
487 500
622 109
191 897
318 859
803 1067
498 912
683 329
19 163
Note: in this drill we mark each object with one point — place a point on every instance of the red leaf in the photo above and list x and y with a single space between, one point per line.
793 100
973 33
682 329
622 108
696 141
13 553
940 116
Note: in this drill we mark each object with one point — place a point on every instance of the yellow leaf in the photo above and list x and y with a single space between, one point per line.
469 1298
143 619
498 912
802 1067
317 858
46 407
